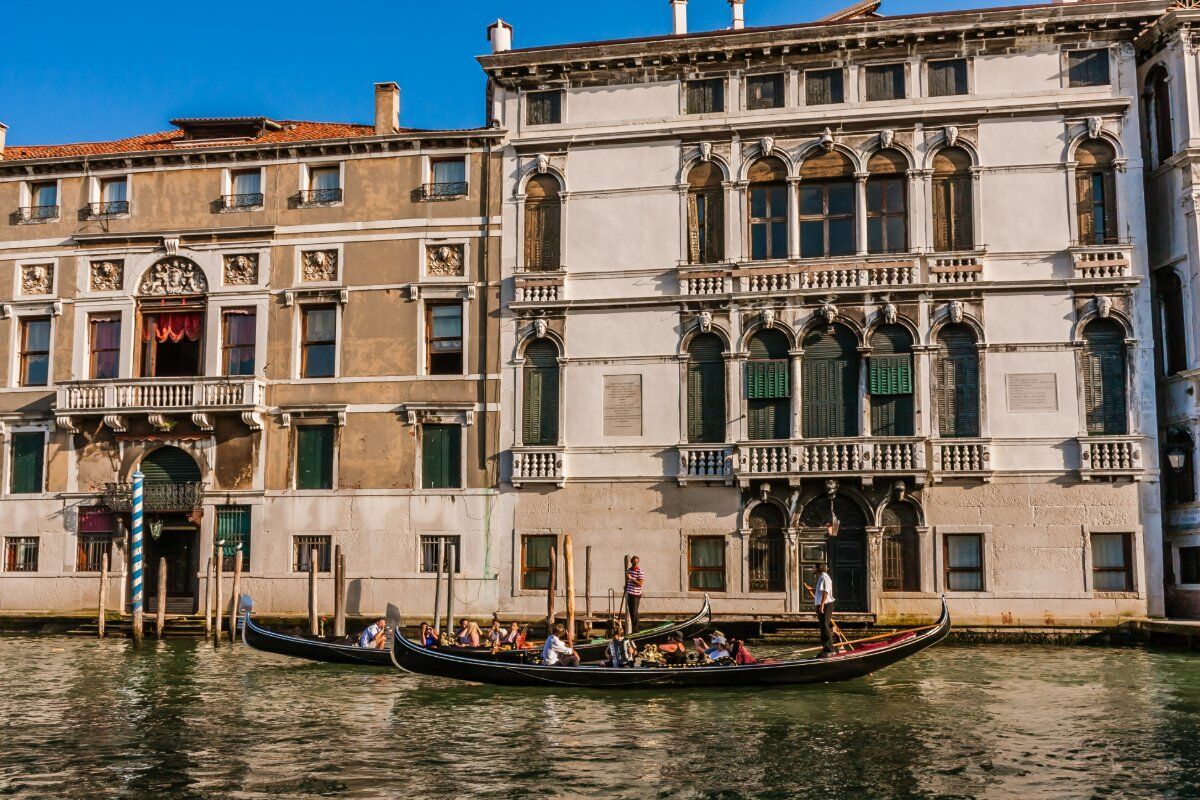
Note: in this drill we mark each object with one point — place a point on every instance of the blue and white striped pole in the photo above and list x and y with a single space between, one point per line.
137 556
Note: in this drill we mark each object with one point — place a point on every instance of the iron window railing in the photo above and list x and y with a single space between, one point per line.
302 547
21 554
36 213
236 201
108 208
155 496
314 196
435 191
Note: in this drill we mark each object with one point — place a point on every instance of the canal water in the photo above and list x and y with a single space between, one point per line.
88 719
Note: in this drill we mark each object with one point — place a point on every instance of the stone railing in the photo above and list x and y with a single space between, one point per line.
955 268
705 462
832 457
540 287
707 280
965 457
538 465
159 394
826 275
155 496
1110 456
1095 262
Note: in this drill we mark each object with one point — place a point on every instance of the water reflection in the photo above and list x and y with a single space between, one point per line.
86 719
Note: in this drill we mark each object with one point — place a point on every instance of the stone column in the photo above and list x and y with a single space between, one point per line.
874 568
793 217
860 212
796 364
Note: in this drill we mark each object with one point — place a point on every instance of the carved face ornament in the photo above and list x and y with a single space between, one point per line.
543 163
954 310
705 319
886 137
540 326
890 314
1103 306
826 140
951 133
706 151
768 317
766 145
1093 127
828 311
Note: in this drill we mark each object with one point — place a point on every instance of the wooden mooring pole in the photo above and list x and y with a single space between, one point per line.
235 609
314 624
208 596
626 620
103 602
551 586
587 585
437 588
219 596
569 563
160 611
450 554
339 593
137 589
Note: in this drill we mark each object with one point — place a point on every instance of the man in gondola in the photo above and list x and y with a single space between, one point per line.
823 602
375 635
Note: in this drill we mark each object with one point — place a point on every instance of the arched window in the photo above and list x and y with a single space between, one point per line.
769 387
170 465
768 209
827 206
830 382
958 382
1179 480
1168 291
952 208
540 393
543 224
887 203
706 215
1096 193
901 549
1158 116
706 389
890 382
1104 378
844 549
766 549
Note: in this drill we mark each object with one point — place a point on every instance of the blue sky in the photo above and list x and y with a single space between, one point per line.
128 67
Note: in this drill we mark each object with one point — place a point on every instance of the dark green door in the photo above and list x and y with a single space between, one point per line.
830 376
845 552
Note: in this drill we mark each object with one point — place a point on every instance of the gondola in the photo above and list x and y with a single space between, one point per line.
261 638
853 660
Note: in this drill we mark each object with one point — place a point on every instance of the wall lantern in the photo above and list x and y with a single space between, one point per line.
1176 457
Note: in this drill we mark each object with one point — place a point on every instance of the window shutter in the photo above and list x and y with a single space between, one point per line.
767 380
1110 206
947 398
941 215
890 374
27 462
541 394
1085 207
706 390
1113 379
963 234
968 397
1104 379
314 457
441 456
533 407
958 383
695 202
534 235
1093 391
714 227
551 234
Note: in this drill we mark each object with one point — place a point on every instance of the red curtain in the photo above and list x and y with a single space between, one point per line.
174 327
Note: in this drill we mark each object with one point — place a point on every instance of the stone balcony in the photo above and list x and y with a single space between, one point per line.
1110 457
1093 262
538 465
156 497
961 458
865 457
540 287
159 398
705 462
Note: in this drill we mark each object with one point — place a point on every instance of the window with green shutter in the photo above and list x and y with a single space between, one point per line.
958 382
768 386
540 395
314 456
441 456
1104 378
28 461
890 382
830 383
706 389
233 529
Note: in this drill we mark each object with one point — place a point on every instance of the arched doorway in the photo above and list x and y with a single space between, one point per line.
767 570
843 546
171 500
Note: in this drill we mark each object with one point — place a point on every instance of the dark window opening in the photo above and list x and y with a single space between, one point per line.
543 108
535 561
765 91
706 96
1112 562
172 344
444 338
429 553
706 563
962 555
823 87
947 77
885 82
104 342
302 547
35 351
238 341
319 341
1087 68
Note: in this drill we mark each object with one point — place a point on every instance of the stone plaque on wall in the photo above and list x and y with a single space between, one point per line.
622 405
1032 391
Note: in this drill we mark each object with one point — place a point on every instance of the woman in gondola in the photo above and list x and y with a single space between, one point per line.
468 634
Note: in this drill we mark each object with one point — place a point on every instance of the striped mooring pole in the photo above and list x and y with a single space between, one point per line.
137 557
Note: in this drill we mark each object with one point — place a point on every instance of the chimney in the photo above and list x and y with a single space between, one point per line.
678 16
739 13
387 108
3 130
500 35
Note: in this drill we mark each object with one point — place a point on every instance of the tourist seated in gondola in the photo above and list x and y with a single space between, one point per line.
374 635
469 634
716 650
428 636
512 637
620 651
674 651
741 654
556 651
495 636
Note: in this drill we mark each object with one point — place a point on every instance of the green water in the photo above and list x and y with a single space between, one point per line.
88 719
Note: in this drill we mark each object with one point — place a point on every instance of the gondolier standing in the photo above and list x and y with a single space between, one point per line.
823 601
635 579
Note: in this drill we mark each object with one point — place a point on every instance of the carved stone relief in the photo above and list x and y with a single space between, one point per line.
318 265
444 260
173 275
106 276
241 269
37 278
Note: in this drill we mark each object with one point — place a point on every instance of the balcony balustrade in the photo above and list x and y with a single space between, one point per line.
1110 457
962 458
947 269
314 197
705 462
538 465
241 202
37 213
107 208
443 191
865 456
160 497
1102 261
540 287
198 397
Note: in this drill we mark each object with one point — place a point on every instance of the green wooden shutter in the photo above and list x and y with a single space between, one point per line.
169 465
314 457
706 390
1104 378
28 458
714 228
768 380
534 235
233 527
941 215
768 386
958 382
441 456
830 382
890 374
541 394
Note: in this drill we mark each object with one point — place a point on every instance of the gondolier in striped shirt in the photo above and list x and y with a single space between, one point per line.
635 579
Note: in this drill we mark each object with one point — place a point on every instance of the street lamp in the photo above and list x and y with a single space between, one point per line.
1176 457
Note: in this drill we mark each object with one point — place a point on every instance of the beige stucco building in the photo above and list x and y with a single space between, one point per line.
868 291
286 325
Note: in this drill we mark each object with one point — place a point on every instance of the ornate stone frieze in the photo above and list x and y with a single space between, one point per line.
318 265
106 276
173 275
444 260
37 278
241 269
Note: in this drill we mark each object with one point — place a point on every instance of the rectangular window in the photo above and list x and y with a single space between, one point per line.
319 341
247 182
21 554
35 351
1189 565
884 82
768 221
114 197
444 340
233 532
104 343
28 462
543 108
1112 562
706 563
237 341
1087 68
43 200
765 91
324 185
947 78
302 547
429 552
535 561
826 218
823 87
705 96
441 456
314 456
887 215
448 170
97 527
963 557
